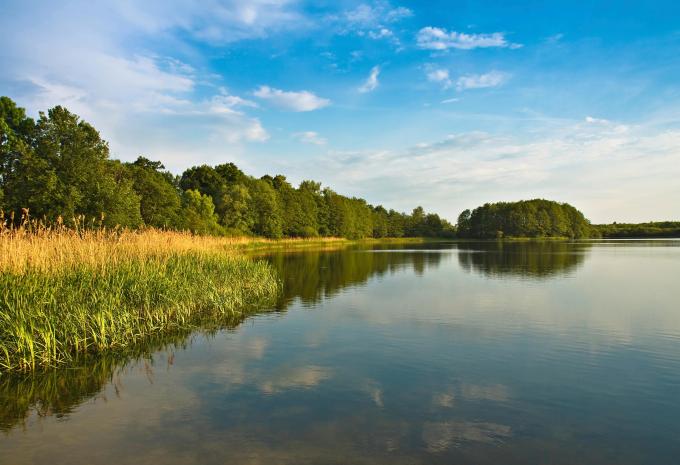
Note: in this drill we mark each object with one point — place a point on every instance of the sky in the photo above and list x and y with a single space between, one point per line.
444 104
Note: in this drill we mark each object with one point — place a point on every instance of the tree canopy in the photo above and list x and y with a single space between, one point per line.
657 229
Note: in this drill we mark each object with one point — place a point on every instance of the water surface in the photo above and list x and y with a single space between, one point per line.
513 353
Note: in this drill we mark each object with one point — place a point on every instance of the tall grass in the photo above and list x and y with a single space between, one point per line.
65 292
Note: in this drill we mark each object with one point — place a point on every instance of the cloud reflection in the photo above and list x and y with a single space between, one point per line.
305 377
440 436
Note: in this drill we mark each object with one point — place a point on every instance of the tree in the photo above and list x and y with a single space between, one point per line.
63 170
16 132
235 203
159 200
208 181
265 208
463 224
198 213
380 222
230 173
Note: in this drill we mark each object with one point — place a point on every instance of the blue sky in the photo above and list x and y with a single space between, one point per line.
444 104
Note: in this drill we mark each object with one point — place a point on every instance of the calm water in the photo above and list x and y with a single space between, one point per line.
547 353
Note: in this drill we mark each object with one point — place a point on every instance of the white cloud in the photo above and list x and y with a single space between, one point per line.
371 82
217 21
370 21
450 100
555 38
382 33
369 16
140 101
479 81
226 103
441 76
590 119
397 14
292 100
434 38
310 137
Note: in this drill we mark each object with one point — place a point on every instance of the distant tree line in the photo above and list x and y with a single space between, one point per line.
640 230
526 218
59 167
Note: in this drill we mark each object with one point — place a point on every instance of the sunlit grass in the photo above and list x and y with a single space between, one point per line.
69 291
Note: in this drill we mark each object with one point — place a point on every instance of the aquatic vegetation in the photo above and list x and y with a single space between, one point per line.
71 291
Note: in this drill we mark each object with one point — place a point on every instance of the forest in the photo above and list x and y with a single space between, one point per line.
58 169
527 218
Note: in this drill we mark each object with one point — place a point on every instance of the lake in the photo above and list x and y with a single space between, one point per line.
445 353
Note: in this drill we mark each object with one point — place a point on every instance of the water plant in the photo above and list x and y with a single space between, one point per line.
69 291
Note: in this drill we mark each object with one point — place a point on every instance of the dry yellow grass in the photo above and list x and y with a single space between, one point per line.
35 246
71 291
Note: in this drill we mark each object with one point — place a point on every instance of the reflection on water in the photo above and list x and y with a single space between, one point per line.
314 275
532 259
59 391
418 355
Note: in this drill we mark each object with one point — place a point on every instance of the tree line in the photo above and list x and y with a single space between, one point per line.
58 168
657 229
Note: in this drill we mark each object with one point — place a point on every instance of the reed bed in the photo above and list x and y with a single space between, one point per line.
69 291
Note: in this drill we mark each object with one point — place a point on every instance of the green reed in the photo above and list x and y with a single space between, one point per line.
49 317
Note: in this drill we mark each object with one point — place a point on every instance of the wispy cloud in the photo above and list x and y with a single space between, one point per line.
590 119
220 22
369 16
440 76
370 20
227 103
371 82
587 164
555 38
479 81
382 33
292 100
142 101
435 38
310 137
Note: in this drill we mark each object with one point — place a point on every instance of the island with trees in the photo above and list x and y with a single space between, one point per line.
527 218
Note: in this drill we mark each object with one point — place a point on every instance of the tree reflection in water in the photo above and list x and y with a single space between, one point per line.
533 259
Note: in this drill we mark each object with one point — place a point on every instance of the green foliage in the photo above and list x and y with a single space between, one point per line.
265 209
198 214
206 180
526 218
60 166
235 202
641 230
160 201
